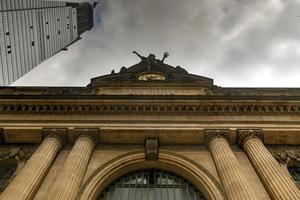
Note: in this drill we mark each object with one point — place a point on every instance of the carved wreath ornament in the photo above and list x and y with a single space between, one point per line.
284 157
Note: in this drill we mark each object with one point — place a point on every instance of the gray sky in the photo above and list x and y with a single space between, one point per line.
236 42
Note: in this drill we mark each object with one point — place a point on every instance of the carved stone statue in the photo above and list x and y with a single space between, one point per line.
166 54
151 59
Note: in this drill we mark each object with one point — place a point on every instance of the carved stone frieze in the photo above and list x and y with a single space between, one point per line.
151 149
208 108
58 133
211 134
245 134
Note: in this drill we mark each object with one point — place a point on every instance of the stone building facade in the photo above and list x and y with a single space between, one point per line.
151 131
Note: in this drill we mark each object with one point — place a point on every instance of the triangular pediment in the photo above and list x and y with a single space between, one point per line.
151 71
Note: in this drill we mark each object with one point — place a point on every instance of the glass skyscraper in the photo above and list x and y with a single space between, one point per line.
31 31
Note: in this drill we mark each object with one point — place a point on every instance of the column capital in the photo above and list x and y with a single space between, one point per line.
212 134
245 134
57 133
92 133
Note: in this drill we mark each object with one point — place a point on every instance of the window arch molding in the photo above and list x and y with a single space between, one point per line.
168 161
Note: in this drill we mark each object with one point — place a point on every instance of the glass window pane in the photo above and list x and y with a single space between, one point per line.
295 172
151 184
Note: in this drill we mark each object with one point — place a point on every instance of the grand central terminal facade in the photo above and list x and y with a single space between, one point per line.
149 132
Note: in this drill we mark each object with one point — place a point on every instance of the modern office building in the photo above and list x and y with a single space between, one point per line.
149 132
31 31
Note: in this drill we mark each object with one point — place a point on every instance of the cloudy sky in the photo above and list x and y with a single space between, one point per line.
236 42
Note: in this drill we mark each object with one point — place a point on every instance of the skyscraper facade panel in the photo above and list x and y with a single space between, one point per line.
32 31
28 4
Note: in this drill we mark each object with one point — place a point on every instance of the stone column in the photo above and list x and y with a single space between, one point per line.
28 180
232 178
278 183
72 173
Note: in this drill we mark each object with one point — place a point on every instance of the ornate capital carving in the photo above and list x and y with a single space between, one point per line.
246 134
92 133
284 157
212 134
58 133
151 149
2 138
19 152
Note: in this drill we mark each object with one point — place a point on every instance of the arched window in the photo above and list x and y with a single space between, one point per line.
295 172
8 168
151 184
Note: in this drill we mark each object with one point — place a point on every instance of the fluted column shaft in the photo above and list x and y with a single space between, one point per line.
28 180
279 185
234 183
69 179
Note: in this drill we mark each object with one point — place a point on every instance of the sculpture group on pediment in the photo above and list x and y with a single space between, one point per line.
151 59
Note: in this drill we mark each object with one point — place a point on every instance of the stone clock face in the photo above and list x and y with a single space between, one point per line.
151 77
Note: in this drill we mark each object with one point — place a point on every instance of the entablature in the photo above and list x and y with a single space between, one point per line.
196 135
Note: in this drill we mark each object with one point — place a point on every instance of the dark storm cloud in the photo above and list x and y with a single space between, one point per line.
235 42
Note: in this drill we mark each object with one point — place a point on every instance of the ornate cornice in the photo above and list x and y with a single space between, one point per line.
246 134
184 107
151 149
92 133
212 134
58 133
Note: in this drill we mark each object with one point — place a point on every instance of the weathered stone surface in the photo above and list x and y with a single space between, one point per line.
71 175
278 183
27 181
229 170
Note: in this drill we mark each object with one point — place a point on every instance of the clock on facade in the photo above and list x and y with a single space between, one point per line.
151 76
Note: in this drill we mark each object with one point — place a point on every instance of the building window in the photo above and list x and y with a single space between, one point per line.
7 33
8 168
151 184
31 27
48 37
295 172
58 32
32 43
8 46
9 52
